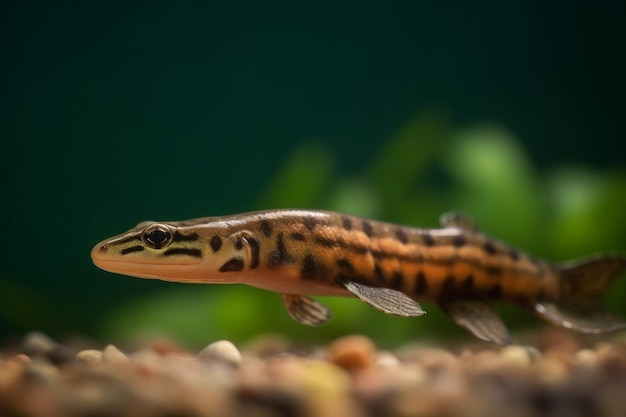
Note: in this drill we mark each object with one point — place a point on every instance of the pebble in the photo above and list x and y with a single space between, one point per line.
89 356
60 354
585 358
352 352
516 356
222 350
434 360
111 354
387 360
37 344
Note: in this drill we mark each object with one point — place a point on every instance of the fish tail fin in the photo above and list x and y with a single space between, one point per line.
583 285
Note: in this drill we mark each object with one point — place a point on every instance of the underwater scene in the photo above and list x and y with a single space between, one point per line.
419 209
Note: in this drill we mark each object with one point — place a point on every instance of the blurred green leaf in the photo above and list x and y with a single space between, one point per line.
587 204
300 183
496 183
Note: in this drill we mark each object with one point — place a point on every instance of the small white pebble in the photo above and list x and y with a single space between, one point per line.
223 350
89 356
387 360
516 356
586 357
111 354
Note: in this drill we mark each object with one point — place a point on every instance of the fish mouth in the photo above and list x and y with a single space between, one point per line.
167 272
140 266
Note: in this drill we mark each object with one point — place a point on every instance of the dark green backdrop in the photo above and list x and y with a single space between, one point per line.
117 112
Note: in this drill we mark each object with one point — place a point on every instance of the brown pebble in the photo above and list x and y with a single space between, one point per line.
352 352
267 345
60 354
22 358
222 350
557 343
111 354
165 347
434 360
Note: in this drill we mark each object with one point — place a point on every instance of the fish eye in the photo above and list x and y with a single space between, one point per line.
157 236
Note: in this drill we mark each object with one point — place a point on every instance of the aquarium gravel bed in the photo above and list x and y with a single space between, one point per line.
270 376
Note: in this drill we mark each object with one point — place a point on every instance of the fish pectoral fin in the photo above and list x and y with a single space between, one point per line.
306 310
477 317
384 299
457 219
587 321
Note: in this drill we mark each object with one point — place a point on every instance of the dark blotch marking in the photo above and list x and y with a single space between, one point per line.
402 237
266 228
215 243
345 264
468 283
297 236
428 240
490 247
310 269
347 222
327 243
367 228
378 272
421 285
280 256
132 249
255 252
514 254
458 241
239 243
234 264
179 237
310 222
196 253
495 292
397 280
358 249
448 285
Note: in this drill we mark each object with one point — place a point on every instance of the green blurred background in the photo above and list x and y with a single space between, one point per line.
118 112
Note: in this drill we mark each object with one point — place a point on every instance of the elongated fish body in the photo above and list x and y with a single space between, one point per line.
304 252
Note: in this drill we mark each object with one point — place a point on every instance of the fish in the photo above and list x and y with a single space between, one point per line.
303 253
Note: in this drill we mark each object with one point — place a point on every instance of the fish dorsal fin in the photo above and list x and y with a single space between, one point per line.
457 219
306 310
477 317
384 299
585 321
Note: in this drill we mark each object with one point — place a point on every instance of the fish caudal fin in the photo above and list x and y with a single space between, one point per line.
582 287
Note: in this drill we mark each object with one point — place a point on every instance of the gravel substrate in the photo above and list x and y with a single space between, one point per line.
349 377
